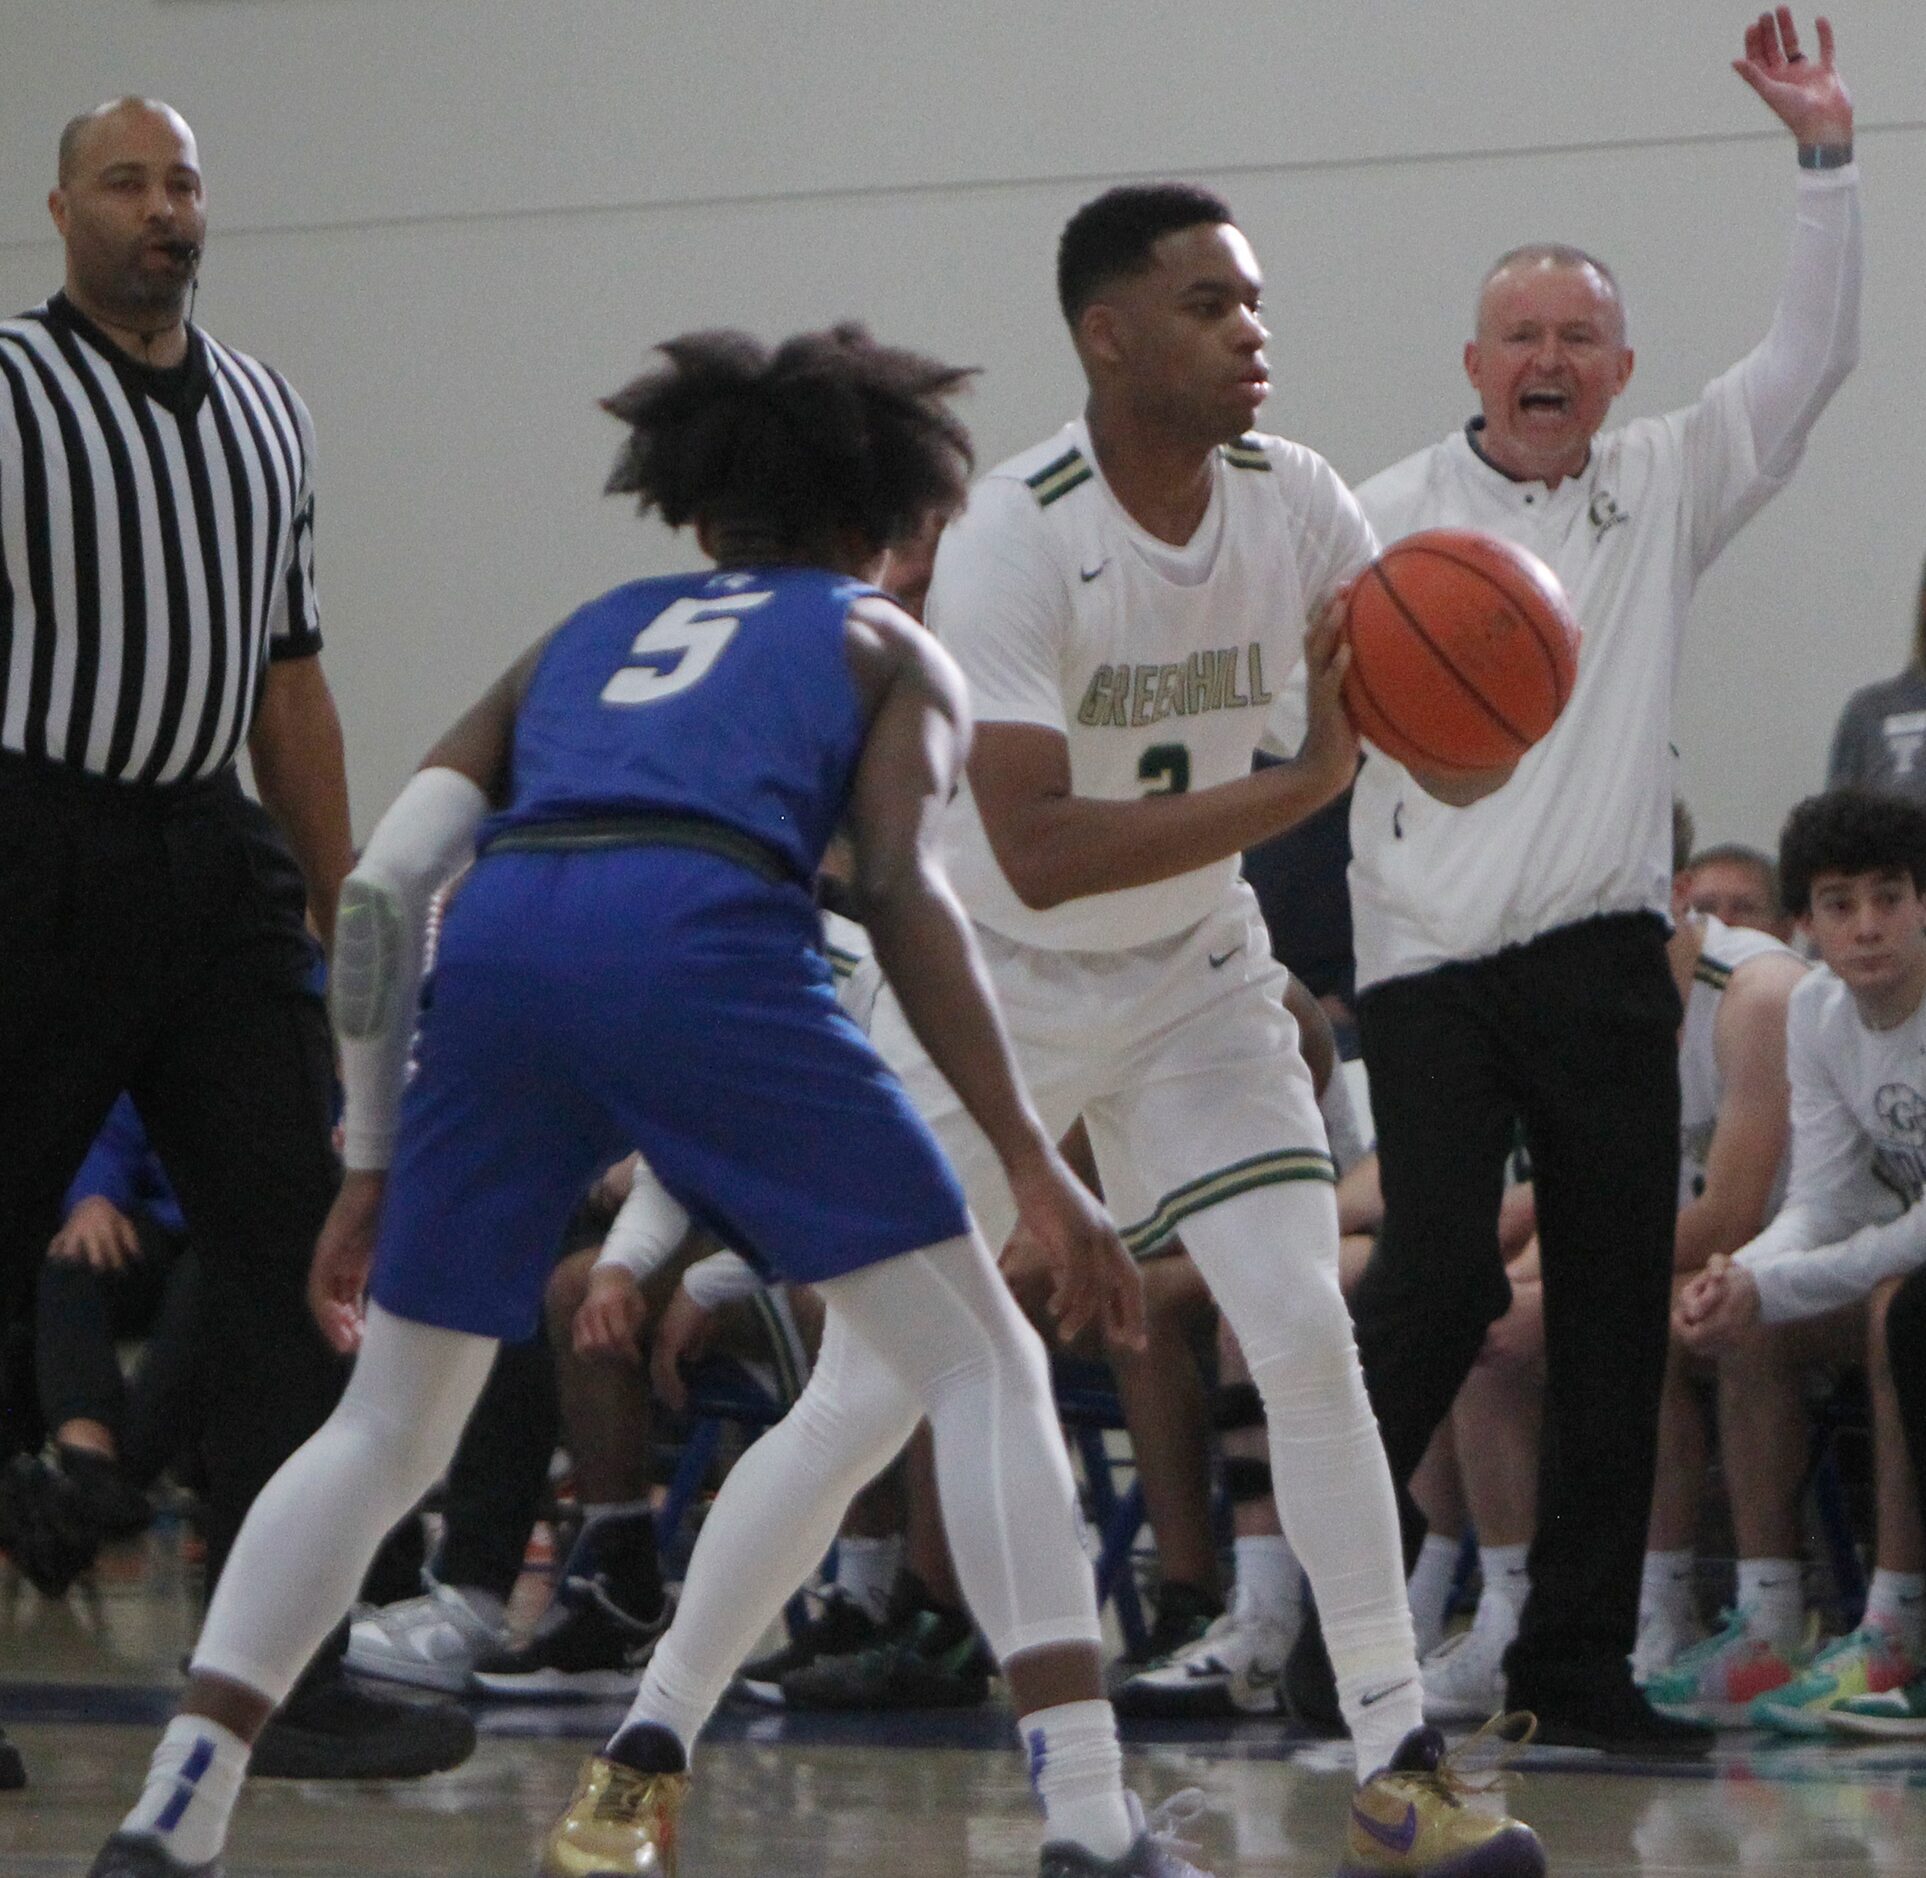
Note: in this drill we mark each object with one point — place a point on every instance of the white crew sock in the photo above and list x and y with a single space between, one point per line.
1896 1601
1665 1589
1429 1589
866 1570
1772 1593
192 1783
1076 1768
1506 1578
1267 1577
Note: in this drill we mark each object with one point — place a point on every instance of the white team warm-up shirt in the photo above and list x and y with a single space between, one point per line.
1584 826
1161 666
1701 1087
1858 1158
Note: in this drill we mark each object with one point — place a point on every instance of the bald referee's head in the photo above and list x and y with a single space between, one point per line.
131 209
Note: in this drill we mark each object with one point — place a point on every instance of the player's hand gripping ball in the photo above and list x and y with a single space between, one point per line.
1463 653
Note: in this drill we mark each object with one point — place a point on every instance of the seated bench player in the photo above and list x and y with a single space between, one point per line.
1853 864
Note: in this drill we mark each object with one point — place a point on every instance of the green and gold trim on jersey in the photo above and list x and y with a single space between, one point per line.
1225 1183
842 962
1070 471
1247 453
1712 972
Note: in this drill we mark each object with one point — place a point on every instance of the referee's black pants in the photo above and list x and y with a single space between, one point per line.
153 941
1906 1350
1574 1036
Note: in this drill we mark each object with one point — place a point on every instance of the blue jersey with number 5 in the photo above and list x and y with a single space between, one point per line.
723 696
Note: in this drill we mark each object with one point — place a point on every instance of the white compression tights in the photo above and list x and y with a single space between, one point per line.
932 1333
1270 1259
309 1536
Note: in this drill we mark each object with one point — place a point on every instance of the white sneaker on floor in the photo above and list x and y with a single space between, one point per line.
1464 1677
1662 1639
1235 1668
431 1642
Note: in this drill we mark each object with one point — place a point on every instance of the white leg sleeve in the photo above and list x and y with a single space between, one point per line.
1270 1259
772 1522
944 1321
312 1531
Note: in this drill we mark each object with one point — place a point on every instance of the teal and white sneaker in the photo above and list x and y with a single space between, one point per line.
1866 1661
1719 1678
1892 1715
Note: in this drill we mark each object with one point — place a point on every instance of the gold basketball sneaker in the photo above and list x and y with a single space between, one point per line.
620 1824
1410 1819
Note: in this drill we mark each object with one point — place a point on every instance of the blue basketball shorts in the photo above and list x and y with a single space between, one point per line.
585 1004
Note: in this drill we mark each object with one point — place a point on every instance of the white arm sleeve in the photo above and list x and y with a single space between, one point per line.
380 937
1806 1283
1812 1256
1744 437
649 1227
722 1278
1814 339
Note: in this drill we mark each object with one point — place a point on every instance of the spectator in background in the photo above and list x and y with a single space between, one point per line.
1881 738
119 1268
1738 886
1854 864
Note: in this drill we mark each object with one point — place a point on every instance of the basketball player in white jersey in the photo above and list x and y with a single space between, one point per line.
1853 864
1124 599
1511 963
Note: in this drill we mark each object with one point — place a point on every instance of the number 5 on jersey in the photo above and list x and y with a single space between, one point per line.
676 649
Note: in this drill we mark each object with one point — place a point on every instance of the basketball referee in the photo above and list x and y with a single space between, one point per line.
1511 955
157 612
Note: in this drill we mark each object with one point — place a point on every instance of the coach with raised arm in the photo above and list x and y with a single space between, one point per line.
1511 954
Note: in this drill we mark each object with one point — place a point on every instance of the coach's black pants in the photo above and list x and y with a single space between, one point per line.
1575 1037
153 941
1906 1347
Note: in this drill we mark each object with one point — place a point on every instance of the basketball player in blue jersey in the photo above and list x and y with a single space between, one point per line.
634 961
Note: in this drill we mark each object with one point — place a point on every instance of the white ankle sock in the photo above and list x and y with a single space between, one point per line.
1430 1588
866 1569
192 1783
1772 1593
1076 1768
1665 1589
1897 1602
1503 1567
1268 1576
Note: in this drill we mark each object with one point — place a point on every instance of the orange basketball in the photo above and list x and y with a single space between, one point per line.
1463 651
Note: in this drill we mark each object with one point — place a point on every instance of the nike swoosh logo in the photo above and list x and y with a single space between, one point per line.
1218 960
1378 1695
1399 1838
1091 573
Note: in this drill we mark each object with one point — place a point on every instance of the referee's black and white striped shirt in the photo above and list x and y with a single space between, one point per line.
156 548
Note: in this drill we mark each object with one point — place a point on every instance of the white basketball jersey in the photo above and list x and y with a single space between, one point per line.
1160 665
1701 1089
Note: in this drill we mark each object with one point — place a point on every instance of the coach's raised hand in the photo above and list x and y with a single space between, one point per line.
1805 94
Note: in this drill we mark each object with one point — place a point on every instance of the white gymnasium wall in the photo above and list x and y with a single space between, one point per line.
454 223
